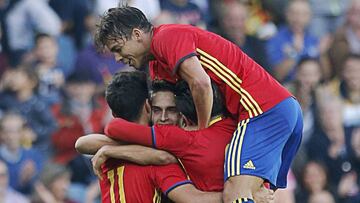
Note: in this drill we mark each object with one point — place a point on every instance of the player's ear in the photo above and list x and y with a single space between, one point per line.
137 34
147 106
186 122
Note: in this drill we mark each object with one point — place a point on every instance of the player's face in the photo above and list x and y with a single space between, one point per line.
163 109
132 52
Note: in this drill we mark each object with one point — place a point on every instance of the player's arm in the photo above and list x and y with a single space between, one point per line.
169 138
200 85
188 193
109 148
138 154
90 144
122 130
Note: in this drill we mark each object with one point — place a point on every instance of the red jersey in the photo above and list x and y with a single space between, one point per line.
248 89
201 152
126 182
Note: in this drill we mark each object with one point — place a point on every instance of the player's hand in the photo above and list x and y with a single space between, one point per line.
264 195
98 159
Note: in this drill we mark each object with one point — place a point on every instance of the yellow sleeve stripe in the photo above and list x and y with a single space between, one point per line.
225 74
219 64
228 83
229 78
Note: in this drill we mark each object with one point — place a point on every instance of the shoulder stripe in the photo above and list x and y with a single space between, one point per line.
120 173
219 63
244 102
231 79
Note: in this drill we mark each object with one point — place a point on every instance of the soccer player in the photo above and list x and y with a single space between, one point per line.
133 183
269 118
197 150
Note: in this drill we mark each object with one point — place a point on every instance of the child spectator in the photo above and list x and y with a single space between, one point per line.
19 87
24 164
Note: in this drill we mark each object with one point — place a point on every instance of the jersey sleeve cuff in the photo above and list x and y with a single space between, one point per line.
177 185
153 137
182 60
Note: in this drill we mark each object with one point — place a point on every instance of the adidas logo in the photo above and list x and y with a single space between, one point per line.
249 165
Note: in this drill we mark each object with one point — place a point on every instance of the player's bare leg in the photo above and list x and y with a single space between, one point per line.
242 186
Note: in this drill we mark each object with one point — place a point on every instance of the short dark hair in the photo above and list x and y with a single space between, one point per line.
161 86
185 104
119 22
126 94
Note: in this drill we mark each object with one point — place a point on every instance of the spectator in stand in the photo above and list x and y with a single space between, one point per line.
21 19
346 39
81 112
184 11
307 79
24 164
43 59
328 143
292 42
348 88
18 94
233 16
314 181
53 185
8 194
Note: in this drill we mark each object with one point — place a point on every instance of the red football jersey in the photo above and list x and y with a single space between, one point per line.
126 182
201 152
248 89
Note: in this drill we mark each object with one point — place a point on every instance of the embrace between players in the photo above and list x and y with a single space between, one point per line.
242 128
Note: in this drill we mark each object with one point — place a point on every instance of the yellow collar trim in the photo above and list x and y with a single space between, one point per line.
215 120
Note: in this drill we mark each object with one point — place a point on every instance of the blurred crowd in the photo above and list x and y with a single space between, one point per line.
53 79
